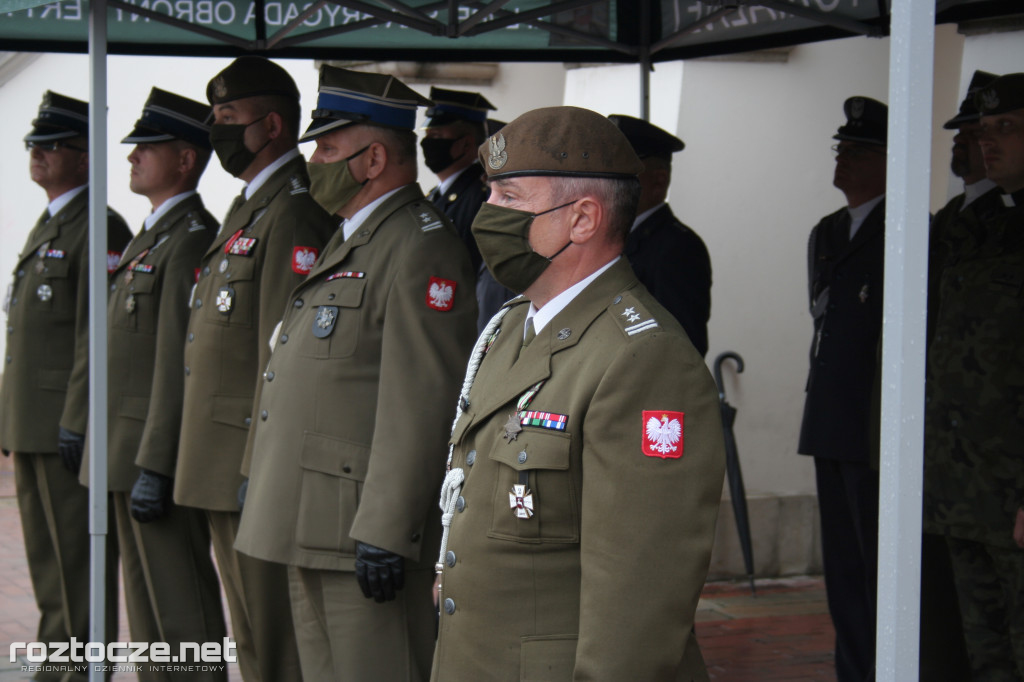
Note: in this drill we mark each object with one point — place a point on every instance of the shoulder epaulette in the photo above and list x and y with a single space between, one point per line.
297 185
194 225
632 315
425 215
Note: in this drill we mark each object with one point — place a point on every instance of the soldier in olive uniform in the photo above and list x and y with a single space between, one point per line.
348 452
974 469
668 257
845 266
44 400
587 460
456 126
171 589
267 245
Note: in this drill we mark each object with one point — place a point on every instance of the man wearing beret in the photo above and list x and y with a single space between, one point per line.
845 266
44 399
456 126
586 462
668 257
348 442
171 589
267 245
974 471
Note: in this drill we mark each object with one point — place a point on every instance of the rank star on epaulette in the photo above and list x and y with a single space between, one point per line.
297 187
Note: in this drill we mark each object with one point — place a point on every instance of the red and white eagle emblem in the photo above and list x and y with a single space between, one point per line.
662 434
303 258
440 293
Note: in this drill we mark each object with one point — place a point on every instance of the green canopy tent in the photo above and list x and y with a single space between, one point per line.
607 31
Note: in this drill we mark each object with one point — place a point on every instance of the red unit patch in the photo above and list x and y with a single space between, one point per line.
197 274
113 259
440 293
303 258
662 434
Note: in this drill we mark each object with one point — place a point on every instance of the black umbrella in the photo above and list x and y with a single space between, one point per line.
732 467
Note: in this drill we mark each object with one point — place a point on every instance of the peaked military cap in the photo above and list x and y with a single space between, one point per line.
968 111
560 141
456 105
1005 93
167 116
647 139
867 121
346 97
250 76
59 118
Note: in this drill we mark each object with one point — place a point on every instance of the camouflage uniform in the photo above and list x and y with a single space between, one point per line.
974 430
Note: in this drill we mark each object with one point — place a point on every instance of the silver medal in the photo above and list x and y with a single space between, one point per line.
44 292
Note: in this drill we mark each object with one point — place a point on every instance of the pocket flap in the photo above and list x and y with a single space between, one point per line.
231 410
334 456
240 268
56 267
343 292
54 379
535 449
142 283
134 407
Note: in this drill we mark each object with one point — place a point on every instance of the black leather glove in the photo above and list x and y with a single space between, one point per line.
151 496
242 490
379 572
70 446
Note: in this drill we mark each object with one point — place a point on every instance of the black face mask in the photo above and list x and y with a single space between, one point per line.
228 141
437 152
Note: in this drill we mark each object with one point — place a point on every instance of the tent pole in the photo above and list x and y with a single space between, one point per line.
645 60
97 325
911 64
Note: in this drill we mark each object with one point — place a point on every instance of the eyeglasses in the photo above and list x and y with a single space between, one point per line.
854 149
51 146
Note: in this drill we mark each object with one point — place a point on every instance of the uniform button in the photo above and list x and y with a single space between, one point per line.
952 422
10 330
470 458
298 303
460 503
21 273
284 338
248 421
199 303
522 457
14 301
415 537
347 469
264 415
463 403
191 336
938 337
206 270
449 606
187 370
113 287
8 359
269 376
449 558
618 299
330 297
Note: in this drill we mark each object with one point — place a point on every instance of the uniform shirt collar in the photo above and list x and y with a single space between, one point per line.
163 208
975 190
64 199
443 186
859 215
645 215
264 174
556 305
352 224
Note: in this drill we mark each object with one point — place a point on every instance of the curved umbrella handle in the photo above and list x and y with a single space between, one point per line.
726 355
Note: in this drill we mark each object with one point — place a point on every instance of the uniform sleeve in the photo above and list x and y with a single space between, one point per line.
647 522
75 416
300 227
158 450
423 361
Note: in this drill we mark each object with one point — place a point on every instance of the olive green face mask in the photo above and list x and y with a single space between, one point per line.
332 184
503 236
228 142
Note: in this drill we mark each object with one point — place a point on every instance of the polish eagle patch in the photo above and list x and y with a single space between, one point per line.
303 258
662 434
441 293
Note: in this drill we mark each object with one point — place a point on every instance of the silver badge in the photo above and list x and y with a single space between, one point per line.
863 295
223 265
129 304
520 499
563 334
856 107
512 428
40 267
497 158
44 292
989 99
225 299
220 88
323 323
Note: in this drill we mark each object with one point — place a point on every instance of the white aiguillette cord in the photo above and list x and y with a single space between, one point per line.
453 478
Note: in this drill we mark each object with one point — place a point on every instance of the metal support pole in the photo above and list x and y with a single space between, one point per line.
911 65
645 60
97 325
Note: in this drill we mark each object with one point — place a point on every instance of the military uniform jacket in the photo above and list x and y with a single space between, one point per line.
46 370
602 580
357 400
671 260
461 203
264 249
974 410
147 314
845 284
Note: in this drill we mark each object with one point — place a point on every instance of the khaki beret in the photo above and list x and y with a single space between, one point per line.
1004 94
250 76
560 141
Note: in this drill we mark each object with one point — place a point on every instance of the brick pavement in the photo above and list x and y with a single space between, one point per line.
782 634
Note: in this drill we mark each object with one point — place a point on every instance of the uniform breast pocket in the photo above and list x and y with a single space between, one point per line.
536 498
134 305
232 298
334 319
333 471
52 289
